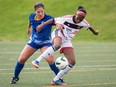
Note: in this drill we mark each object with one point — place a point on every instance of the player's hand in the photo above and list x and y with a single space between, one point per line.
60 26
96 32
39 27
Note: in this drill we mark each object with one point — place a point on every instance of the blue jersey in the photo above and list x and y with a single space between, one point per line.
44 36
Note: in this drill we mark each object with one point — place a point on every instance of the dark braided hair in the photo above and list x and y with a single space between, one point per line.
38 5
81 8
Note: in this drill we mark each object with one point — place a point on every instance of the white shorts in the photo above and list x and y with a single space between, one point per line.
66 43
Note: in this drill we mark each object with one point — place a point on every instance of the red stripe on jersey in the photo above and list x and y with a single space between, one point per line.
85 21
67 16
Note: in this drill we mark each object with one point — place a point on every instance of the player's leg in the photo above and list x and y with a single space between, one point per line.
68 51
69 54
50 60
57 41
50 50
26 53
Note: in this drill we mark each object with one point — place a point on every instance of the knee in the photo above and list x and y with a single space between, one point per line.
72 62
57 46
22 59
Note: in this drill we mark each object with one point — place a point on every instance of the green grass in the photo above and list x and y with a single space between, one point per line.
95 67
101 15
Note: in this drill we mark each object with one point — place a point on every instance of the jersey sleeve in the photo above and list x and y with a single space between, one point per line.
31 17
50 17
58 20
86 24
61 20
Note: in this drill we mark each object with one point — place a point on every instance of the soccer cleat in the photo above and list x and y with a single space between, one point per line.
35 63
14 80
58 82
61 79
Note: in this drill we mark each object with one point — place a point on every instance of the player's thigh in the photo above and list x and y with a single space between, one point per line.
50 58
57 41
26 53
69 54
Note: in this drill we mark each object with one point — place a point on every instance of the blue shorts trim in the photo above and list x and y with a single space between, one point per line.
36 46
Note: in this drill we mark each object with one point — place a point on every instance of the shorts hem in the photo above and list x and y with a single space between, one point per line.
65 48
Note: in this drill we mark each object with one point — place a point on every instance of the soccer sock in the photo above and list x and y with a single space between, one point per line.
54 68
46 53
62 72
18 69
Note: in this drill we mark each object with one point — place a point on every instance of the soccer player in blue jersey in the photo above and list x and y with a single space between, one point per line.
40 40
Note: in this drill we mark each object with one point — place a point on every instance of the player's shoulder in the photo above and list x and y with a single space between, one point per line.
67 16
48 16
32 15
85 21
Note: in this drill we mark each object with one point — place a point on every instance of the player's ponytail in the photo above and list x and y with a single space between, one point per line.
81 8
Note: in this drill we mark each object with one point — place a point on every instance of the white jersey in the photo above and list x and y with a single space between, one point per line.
70 27
69 31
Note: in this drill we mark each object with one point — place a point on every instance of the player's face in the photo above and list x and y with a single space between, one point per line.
79 17
40 12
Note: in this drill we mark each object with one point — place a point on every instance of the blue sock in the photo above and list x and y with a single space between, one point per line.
54 68
18 69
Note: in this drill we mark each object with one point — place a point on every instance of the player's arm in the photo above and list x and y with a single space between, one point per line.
59 26
29 28
39 27
95 32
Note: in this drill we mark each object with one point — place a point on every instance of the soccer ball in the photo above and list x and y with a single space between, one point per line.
61 63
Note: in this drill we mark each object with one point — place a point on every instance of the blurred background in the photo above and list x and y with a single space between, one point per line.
95 55
14 16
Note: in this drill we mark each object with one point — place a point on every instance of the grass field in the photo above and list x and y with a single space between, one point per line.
96 61
14 16
96 66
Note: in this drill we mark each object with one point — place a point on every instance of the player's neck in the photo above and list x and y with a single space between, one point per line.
38 17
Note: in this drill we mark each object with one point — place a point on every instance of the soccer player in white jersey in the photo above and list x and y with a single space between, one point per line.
67 27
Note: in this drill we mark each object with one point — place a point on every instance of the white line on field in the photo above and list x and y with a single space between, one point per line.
94 84
75 67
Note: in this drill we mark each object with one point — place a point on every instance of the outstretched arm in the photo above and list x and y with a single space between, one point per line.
39 27
95 32
29 28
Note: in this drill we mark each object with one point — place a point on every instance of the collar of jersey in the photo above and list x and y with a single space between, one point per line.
37 19
74 19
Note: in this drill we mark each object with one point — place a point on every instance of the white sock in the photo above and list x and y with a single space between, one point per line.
46 53
62 72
